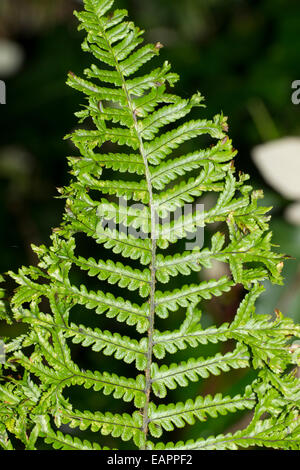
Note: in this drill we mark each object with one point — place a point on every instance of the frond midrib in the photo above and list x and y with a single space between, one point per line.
153 240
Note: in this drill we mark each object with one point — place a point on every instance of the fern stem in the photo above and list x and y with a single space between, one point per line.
152 270
153 245
152 292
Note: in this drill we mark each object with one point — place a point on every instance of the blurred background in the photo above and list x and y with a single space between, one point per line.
242 55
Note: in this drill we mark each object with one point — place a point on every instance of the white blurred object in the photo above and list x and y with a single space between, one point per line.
292 213
217 270
11 57
279 163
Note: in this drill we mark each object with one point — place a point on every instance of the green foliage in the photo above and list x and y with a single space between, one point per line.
129 110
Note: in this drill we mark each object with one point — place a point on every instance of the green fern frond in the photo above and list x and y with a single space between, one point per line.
60 441
127 200
169 377
165 417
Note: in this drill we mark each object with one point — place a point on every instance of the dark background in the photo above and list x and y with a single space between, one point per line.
242 55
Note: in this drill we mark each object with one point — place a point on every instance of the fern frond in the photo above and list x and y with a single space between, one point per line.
60 441
125 426
273 433
127 201
165 417
220 154
162 146
114 273
5 442
171 301
169 377
111 344
93 163
125 244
